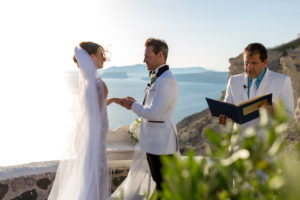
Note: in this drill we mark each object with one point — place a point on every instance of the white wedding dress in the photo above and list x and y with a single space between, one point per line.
83 174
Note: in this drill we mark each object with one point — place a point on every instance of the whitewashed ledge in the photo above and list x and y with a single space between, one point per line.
33 181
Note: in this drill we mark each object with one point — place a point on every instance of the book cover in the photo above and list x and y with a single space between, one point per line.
242 113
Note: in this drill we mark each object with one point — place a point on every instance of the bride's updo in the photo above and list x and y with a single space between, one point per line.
90 48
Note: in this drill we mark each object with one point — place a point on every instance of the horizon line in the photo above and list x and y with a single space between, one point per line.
119 66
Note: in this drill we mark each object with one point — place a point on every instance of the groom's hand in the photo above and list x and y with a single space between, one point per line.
127 103
131 99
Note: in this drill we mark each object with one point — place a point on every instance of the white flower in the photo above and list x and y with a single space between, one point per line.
134 129
152 78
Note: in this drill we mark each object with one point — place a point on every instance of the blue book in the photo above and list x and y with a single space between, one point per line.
242 113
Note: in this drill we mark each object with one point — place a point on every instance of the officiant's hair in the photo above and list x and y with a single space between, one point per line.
90 48
255 48
158 45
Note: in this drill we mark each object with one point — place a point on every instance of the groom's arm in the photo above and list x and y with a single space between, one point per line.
166 93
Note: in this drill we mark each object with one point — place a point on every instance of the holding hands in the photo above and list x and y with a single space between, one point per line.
124 102
127 102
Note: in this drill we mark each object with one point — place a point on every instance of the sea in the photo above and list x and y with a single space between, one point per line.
195 84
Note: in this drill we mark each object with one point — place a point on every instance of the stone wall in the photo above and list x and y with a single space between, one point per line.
33 181
27 187
37 186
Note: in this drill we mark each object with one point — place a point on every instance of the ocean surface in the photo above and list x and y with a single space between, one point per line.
195 84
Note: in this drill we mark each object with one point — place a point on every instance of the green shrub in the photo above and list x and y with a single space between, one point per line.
252 165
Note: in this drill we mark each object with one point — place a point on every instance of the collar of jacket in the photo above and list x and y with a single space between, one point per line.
160 71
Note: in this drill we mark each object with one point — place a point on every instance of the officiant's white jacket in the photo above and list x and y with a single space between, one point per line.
159 138
278 84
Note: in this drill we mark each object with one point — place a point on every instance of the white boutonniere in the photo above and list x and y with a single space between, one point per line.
152 78
134 129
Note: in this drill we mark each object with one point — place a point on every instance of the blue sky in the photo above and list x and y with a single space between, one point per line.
203 33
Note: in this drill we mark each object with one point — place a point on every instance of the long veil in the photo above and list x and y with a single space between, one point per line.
82 172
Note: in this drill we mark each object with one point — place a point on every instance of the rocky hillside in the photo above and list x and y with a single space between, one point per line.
283 59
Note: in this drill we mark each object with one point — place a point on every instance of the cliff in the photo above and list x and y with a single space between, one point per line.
283 59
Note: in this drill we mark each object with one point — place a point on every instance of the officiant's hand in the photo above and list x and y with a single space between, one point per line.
269 108
222 119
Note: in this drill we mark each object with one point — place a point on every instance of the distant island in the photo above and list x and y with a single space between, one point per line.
195 74
203 77
142 69
114 75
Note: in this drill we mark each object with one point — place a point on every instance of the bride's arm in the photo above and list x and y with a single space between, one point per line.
113 100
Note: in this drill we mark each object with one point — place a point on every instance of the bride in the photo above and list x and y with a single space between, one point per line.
83 174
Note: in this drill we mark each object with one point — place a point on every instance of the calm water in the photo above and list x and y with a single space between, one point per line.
191 98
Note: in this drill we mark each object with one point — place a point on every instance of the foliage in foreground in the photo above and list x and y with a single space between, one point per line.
252 165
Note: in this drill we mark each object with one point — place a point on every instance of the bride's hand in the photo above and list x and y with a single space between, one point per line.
113 100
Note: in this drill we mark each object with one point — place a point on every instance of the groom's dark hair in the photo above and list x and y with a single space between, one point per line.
158 45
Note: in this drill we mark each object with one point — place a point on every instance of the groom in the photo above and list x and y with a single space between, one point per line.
158 134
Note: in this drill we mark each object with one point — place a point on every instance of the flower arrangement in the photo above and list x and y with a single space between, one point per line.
134 129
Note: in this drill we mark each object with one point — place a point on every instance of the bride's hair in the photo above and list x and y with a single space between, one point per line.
90 48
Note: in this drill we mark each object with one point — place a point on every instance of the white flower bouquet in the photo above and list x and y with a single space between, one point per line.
134 129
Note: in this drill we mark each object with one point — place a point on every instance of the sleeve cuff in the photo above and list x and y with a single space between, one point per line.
134 107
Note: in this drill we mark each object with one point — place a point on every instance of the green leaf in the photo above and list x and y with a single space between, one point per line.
213 137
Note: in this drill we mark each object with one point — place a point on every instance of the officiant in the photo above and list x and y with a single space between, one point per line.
258 80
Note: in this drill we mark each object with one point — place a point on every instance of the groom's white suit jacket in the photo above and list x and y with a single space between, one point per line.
278 84
159 138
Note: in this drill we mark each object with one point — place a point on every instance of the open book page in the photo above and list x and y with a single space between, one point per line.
254 107
253 99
